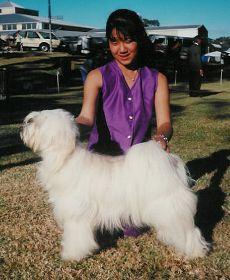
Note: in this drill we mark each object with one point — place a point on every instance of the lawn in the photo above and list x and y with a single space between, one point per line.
30 238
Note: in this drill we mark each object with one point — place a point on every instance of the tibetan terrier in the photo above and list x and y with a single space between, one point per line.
146 186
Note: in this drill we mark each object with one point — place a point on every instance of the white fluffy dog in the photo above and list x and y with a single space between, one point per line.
147 186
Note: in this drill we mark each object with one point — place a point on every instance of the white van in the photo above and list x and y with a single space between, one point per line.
38 39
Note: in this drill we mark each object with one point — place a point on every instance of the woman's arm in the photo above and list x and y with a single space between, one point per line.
92 86
86 117
162 109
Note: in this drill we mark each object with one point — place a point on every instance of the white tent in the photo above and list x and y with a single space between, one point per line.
213 57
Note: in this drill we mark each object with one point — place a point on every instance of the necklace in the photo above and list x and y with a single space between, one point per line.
132 78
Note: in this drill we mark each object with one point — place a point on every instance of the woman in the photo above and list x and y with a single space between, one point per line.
121 96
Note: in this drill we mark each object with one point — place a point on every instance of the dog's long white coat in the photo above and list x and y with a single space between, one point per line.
147 186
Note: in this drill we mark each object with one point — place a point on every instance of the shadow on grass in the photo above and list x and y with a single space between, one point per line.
14 149
210 199
15 111
222 117
178 88
106 239
219 104
21 163
177 108
11 145
203 93
199 93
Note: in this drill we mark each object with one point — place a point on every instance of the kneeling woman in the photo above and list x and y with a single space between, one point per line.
121 97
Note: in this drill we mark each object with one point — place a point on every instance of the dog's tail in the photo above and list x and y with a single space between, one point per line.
182 170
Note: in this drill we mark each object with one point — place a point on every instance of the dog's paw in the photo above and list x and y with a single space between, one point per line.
72 255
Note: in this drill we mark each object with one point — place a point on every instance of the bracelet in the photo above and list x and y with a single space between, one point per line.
164 138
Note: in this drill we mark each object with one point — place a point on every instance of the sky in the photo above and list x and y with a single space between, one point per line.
214 15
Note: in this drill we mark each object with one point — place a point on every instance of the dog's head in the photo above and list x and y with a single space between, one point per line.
50 131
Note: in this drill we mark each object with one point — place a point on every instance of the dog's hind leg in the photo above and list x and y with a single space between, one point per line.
78 240
173 219
184 236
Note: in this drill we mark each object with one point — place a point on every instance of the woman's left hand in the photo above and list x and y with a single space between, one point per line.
164 143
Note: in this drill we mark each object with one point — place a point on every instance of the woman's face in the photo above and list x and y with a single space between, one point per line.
123 49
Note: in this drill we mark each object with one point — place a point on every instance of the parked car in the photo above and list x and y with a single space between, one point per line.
39 39
82 44
88 43
71 44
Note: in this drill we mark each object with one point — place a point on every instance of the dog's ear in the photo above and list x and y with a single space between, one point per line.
65 141
53 131
28 131
62 137
59 134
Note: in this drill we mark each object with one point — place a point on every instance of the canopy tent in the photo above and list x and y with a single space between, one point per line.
212 57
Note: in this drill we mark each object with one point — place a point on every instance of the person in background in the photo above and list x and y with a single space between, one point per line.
121 97
96 58
195 66
174 54
18 40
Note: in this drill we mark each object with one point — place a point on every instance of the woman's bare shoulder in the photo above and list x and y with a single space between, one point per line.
162 77
95 77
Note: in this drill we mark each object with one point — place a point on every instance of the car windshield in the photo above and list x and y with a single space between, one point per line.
46 35
23 34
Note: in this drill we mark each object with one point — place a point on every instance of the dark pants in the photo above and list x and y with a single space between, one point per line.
19 46
194 81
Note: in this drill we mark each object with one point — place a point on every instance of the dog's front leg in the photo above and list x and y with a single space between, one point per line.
78 240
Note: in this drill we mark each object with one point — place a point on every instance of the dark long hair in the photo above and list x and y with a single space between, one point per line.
129 24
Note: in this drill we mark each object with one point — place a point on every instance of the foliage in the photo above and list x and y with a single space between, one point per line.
223 41
150 22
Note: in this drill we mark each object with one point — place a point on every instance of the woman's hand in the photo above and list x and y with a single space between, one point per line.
162 140
201 72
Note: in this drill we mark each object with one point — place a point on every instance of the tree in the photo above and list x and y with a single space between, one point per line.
150 22
223 41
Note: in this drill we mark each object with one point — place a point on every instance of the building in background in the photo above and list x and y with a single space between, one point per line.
189 31
165 34
186 31
14 17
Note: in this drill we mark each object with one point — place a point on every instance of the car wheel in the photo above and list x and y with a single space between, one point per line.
44 47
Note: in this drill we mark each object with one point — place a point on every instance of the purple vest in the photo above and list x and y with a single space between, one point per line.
124 114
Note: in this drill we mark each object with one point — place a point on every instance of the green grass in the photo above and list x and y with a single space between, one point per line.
26 57
30 238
